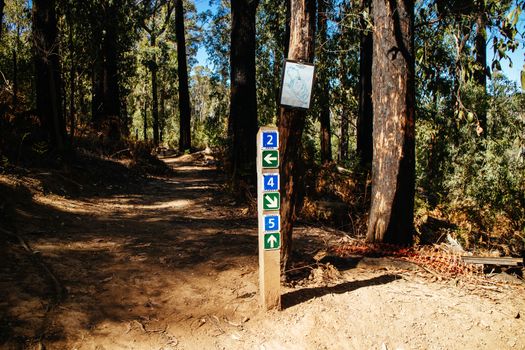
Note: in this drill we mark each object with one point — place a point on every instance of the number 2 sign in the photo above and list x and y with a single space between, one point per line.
270 139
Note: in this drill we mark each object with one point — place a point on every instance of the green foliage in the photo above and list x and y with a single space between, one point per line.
460 166
481 174
16 65
522 76
271 19
210 109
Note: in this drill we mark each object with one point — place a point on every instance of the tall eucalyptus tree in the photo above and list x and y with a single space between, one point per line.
47 72
393 167
243 96
292 122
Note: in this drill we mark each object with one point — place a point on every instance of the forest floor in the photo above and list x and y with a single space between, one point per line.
171 263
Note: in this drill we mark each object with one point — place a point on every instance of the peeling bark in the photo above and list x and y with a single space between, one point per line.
393 167
291 125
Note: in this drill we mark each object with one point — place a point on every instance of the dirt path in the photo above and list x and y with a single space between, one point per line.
174 266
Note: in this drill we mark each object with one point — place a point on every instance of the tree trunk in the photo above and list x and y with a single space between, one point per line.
324 87
96 86
393 167
111 91
291 125
105 107
2 5
47 72
83 104
15 67
162 115
343 140
480 74
72 108
365 113
286 48
15 79
64 94
243 98
182 70
154 97
145 120
125 120
72 81
287 28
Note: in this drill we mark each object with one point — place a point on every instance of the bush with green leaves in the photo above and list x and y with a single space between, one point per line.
481 172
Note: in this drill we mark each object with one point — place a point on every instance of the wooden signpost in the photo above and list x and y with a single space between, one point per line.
268 205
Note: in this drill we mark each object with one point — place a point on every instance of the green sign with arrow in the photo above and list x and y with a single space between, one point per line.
272 201
272 241
270 159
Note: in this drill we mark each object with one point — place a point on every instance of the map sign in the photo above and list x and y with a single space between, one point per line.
298 79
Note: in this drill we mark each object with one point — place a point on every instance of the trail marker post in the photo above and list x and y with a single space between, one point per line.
268 205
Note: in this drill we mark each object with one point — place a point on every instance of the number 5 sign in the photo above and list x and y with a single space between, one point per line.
272 223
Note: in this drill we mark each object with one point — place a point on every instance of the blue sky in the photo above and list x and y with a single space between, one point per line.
202 5
512 73
517 57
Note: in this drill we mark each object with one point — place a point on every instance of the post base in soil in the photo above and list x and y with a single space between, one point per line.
270 279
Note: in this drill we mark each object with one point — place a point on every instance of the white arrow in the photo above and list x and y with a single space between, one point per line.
272 202
272 240
269 158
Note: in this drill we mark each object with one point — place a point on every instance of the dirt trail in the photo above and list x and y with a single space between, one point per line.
174 266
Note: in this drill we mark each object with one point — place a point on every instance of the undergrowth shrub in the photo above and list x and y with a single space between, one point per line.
481 173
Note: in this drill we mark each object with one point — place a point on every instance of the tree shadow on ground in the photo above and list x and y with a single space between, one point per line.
302 295
159 260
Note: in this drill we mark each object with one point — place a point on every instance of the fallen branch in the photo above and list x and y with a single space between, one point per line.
119 152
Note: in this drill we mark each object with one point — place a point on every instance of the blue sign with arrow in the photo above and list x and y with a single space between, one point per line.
270 139
270 182
272 223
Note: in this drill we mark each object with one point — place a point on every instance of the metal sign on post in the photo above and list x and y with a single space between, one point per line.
270 182
268 205
297 82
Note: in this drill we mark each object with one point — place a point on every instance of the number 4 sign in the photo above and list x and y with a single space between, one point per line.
270 182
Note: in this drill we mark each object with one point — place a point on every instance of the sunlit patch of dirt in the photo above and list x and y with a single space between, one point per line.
171 263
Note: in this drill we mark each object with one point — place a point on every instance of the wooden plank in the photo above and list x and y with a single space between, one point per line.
488 260
269 259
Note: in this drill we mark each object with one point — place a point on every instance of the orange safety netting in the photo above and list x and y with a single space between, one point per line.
434 258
